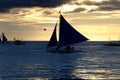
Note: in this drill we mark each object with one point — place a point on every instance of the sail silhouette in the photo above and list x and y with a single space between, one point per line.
3 38
53 40
67 35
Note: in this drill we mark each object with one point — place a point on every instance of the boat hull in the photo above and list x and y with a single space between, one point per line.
61 50
113 43
18 42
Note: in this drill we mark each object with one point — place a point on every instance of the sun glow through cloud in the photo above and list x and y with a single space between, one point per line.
97 0
66 8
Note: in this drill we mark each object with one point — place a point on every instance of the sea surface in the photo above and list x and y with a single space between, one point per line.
32 62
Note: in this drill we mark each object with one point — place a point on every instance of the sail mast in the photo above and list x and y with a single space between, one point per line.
59 29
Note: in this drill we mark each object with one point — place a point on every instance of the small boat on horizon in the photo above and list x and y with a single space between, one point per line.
18 42
3 38
67 36
113 43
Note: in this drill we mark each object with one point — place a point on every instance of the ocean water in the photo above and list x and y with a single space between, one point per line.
32 62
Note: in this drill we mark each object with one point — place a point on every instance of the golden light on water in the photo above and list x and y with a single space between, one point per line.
90 73
94 74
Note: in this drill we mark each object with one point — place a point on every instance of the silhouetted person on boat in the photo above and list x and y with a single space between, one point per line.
69 48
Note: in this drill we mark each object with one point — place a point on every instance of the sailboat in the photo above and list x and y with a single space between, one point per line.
18 42
112 43
3 38
67 36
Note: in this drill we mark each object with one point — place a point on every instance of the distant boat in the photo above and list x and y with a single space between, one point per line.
3 38
113 43
18 42
67 36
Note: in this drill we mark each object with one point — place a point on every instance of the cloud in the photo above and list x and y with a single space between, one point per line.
4 10
91 3
5 5
47 13
108 8
108 5
80 9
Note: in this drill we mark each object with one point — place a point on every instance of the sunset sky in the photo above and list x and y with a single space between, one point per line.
26 19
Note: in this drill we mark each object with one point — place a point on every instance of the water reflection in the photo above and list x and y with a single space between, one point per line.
94 63
95 68
90 73
55 67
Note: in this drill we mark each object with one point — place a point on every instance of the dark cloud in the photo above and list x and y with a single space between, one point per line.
91 3
108 8
5 5
4 10
45 13
79 9
110 5
105 5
